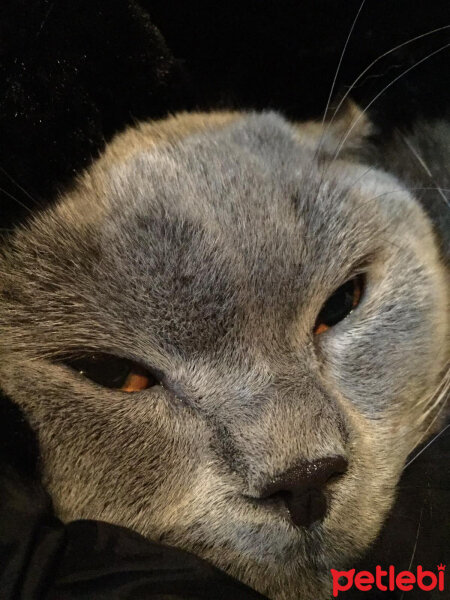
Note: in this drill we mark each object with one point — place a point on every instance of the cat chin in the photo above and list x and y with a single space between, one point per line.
289 579
300 572
278 560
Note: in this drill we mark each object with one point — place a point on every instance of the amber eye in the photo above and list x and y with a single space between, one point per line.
112 372
340 304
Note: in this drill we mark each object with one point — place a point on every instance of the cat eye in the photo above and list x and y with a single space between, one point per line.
112 372
340 304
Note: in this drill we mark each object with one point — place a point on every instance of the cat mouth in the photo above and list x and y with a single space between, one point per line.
301 514
274 506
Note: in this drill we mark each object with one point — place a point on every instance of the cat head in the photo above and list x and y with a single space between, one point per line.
229 337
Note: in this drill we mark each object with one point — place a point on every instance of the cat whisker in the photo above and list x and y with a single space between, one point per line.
359 77
437 188
338 69
445 380
425 167
375 98
415 545
34 200
441 395
427 446
24 206
433 400
437 399
333 84
374 62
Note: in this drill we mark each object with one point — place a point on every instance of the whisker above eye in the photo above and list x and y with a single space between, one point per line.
374 62
375 98
358 78
337 71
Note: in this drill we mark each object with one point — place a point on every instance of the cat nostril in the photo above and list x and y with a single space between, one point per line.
301 488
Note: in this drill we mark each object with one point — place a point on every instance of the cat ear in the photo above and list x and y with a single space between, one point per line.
344 130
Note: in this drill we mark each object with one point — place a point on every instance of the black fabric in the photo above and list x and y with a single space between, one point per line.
72 74
42 559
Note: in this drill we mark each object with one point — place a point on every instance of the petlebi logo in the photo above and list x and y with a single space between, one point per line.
389 579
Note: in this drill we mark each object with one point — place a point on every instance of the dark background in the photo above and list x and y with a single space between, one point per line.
74 73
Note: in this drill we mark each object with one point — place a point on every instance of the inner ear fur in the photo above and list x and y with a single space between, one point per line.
349 123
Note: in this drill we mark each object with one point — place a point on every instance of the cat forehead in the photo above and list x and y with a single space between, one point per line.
243 164
254 170
245 197
252 182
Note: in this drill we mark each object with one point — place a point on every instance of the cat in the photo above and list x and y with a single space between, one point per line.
229 335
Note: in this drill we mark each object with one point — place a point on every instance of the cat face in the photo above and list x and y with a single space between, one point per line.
203 249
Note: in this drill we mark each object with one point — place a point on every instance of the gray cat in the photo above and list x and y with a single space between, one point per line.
229 336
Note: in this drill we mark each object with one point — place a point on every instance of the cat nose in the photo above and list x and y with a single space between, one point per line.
302 488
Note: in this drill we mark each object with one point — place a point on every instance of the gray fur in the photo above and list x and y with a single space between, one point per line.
205 246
